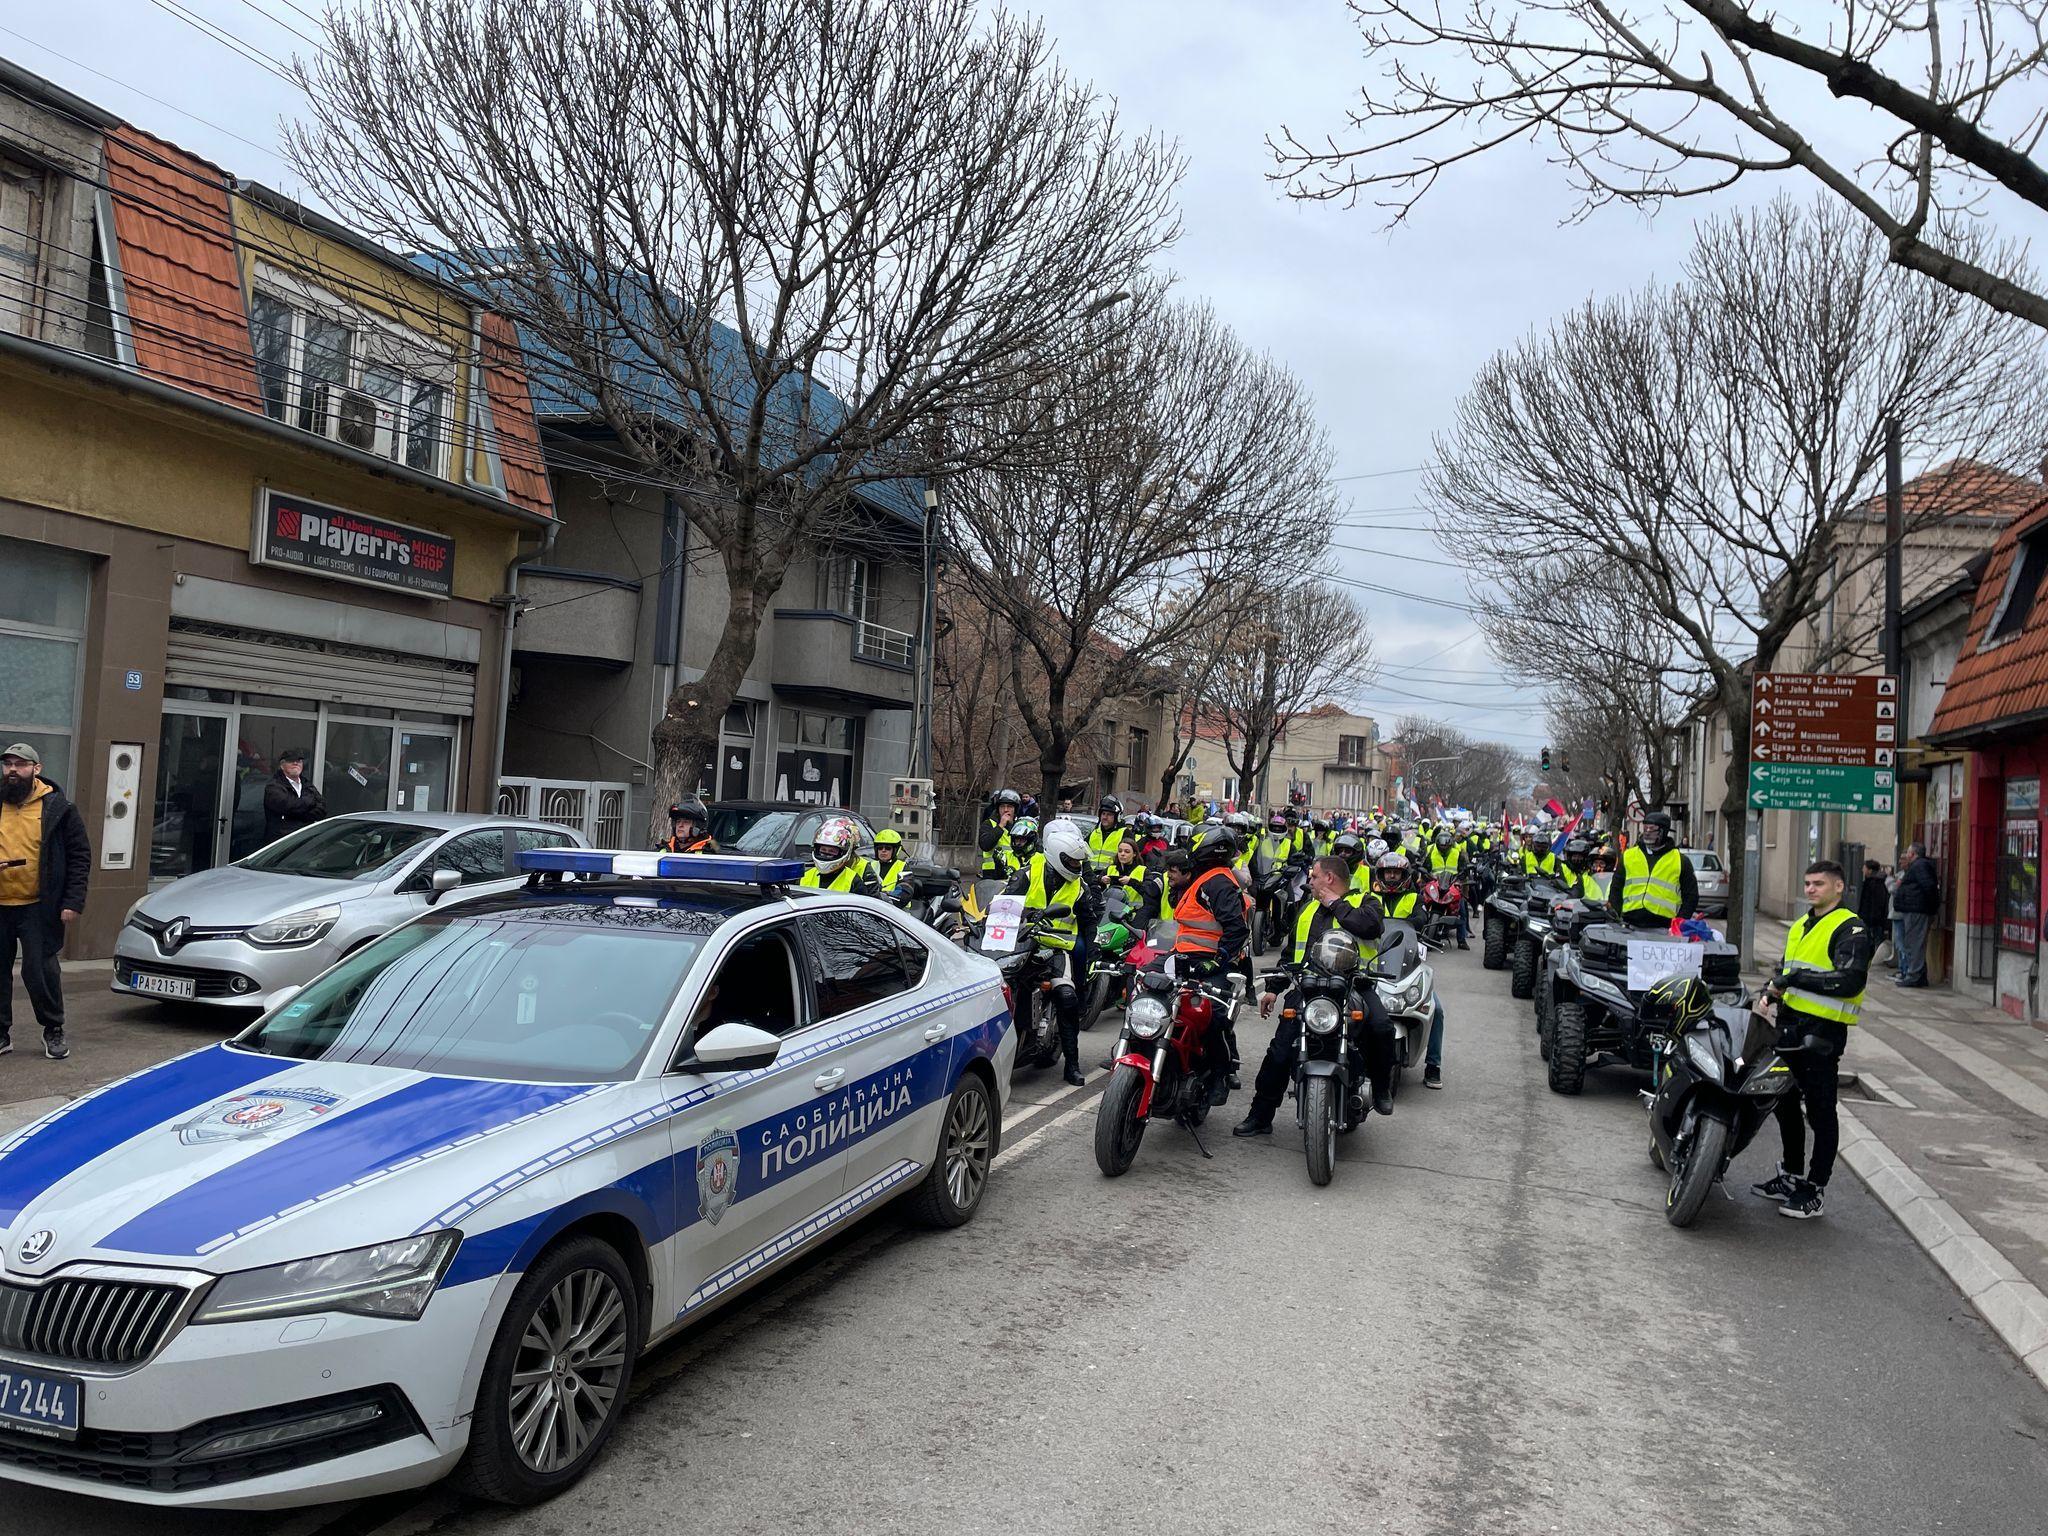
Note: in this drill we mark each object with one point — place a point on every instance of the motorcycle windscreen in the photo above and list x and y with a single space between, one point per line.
1750 1034
1400 951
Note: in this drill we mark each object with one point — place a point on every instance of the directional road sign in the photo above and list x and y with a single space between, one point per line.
1823 741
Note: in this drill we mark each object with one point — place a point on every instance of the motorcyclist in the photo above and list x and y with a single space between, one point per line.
1055 878
1139 881
1393 881
1536 857
998 858
1348 848
1245 827
1107 832
836 864
1151 838
890 863
1657 882
1023 843
1445 862
1213 933
689 828
1332 904
1577 873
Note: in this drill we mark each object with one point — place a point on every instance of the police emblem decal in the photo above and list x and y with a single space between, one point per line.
718 1173
258 1112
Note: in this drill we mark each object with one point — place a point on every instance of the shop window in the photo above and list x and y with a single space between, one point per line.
815 759
2019 867
43 595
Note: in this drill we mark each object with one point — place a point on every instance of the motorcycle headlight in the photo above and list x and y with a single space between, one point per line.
295 928
1320 1015
1146 1017
393 1280
1411 993
1703 1056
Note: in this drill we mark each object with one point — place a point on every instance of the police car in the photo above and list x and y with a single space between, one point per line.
426 1213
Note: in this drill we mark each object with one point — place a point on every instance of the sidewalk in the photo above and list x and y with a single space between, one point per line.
1947 1122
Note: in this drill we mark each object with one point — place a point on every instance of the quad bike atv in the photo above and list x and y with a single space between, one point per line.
1594 1018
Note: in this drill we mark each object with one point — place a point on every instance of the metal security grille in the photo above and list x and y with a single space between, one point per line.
219 656
94 1322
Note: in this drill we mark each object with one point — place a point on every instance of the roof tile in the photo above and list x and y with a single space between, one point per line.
1995 687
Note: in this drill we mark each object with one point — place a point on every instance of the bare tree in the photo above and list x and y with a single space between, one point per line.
1298 643
1447 764
1177 450
1710 443
771 244
1688 97
1195 659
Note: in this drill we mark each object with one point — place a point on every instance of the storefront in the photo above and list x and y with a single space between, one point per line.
817 757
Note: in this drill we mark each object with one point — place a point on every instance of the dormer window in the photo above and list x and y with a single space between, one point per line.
2022 585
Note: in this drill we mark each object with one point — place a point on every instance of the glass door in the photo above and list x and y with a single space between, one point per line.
191 779
426 770
260 740
355 766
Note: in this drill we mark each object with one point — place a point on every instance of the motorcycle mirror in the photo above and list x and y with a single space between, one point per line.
950 904
1059 909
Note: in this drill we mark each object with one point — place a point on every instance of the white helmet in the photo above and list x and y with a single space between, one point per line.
1375 848
1066 850
832 845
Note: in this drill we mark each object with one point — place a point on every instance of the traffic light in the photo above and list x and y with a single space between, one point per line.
1564 762
1546 759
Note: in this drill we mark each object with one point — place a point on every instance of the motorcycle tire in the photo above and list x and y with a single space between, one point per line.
1693 1180
1568 1048
1258 941
1319 1128
1495 955
1522 980
1118 1126
1098 999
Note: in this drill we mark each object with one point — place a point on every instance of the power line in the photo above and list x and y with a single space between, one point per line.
226 39
279 21
1381 474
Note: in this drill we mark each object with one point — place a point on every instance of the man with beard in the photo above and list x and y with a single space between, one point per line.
44 861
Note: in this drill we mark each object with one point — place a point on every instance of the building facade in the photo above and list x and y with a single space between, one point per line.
260 487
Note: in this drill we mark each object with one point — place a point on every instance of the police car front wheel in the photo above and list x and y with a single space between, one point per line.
557 1376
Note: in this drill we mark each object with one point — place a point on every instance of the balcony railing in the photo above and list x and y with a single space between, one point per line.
878 642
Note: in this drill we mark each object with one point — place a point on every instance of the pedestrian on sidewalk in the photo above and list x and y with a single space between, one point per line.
1819 992
1873 901
1914 904
45 859
290 799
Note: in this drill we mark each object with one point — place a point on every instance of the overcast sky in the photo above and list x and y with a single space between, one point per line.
1386 328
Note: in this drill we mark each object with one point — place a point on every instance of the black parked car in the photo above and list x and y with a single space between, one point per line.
779 829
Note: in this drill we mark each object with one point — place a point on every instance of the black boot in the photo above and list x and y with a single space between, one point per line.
1070 1034
1253 1124
1382 1097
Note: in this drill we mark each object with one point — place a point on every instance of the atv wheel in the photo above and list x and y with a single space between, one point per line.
1568 1047
1495 955
1522 981
1694 1178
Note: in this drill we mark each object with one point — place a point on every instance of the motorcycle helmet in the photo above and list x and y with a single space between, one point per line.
1676 1003
1657 829
1376 848
1390 873
1215 845
1145 824
1066 850
1008 797
1348 848
1108 805
1576 851
1024 836
833 843
1279 823
1335 953
1444 839
690 809
888 837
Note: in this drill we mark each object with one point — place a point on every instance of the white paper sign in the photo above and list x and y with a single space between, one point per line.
1005 918
1651 960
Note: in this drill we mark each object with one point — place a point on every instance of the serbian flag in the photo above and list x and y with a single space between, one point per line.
1555 807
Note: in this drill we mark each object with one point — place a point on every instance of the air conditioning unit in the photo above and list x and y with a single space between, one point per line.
355 420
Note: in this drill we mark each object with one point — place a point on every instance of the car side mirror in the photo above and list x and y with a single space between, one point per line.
284 995
734 1048
443 881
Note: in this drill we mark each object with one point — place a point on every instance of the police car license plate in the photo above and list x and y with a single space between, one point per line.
39 1404
163 986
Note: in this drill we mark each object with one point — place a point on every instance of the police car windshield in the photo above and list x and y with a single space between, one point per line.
342 849
553 995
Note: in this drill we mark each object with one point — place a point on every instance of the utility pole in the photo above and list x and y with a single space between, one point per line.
1894 631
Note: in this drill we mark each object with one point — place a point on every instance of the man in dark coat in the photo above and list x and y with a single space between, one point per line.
45 861
1916 901
1873 900
290 799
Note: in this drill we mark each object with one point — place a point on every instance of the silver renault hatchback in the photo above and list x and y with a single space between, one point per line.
234 936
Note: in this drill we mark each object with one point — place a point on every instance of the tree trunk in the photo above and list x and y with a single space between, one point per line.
686 736
1735 802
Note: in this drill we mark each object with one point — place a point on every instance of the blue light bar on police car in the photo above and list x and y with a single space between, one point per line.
712 869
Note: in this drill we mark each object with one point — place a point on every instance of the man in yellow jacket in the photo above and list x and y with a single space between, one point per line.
45 862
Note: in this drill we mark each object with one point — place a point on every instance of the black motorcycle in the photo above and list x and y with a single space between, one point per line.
1719 1078
1040 961
1277 892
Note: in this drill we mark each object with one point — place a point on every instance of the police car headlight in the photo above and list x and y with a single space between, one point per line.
394 1280
1146 1017
295 928
1320 1015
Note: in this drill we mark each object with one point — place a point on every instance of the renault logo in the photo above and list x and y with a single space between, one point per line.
35 1245
174 934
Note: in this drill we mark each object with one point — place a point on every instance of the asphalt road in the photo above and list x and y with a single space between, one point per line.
1483 1326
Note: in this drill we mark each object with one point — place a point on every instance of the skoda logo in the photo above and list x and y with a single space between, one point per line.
35 1245
174 934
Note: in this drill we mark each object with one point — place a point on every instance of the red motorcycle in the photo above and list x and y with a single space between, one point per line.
1443 898
1170 1059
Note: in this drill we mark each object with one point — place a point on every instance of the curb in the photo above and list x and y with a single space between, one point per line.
2013 1305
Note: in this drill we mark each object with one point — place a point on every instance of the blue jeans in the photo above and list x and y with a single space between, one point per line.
1434 1055
1909 938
